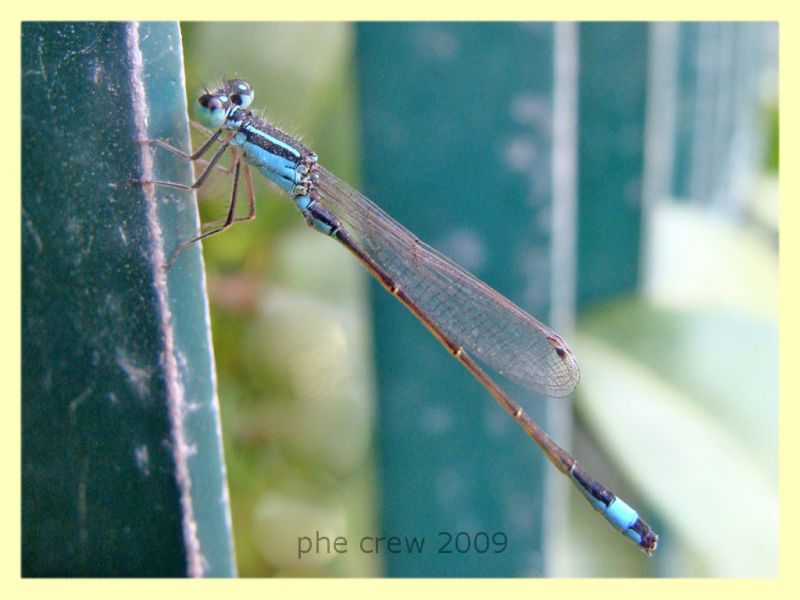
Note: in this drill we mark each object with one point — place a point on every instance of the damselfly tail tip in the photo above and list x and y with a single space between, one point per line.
651 546
648 539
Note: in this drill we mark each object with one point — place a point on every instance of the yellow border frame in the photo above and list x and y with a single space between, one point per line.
413 10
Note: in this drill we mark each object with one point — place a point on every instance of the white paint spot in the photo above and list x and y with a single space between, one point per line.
435 420
138 376
142 456
79 399
465 247
441 45
529 108
191 407
520 153
31 228
98 72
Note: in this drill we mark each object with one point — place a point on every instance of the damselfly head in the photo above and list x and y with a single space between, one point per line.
214 106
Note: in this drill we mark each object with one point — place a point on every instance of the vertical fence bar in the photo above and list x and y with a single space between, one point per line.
611 139
458 144
122 470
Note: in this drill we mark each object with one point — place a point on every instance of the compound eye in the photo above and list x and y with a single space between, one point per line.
211 110
210 102
241 92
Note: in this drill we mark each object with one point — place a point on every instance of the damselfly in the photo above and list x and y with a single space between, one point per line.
467 316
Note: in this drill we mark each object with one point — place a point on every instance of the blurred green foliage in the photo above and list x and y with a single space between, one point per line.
680 389
773 139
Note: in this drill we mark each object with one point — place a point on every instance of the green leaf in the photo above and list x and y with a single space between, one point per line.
680 388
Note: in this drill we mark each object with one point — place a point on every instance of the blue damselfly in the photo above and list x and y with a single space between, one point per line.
467 316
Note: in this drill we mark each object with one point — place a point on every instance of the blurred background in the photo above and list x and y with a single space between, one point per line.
616 180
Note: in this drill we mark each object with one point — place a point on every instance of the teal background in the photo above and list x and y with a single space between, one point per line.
612 101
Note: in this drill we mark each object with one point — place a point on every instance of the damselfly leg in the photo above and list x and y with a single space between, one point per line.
235 168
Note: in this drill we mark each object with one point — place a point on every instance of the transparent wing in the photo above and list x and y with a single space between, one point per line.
488 325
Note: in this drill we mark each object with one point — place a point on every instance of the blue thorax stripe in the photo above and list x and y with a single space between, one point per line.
255 130
271 139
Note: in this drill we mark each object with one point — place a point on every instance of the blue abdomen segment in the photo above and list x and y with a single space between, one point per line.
317 216
617 512
278 169
623 517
